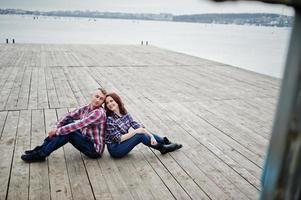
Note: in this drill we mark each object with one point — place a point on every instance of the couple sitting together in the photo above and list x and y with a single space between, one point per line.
88 128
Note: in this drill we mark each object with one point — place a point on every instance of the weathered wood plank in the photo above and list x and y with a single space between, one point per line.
42 100
18 186
58 173
51 89
5 71
14 93
3 115
7 87
59 87
136 180
169 180
9 75
23 98
33 93
39 187
114 180
97 179
6 55
70 98
73 82
7 145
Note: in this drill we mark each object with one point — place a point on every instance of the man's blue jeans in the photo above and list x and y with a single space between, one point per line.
118 150
79 141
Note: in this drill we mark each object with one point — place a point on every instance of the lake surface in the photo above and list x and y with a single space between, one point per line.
260 49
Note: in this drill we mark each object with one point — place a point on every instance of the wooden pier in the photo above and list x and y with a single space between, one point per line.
221 114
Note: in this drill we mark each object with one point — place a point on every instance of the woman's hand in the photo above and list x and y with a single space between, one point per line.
153 140
143 130
140 130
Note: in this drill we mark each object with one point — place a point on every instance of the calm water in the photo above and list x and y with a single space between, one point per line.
260 49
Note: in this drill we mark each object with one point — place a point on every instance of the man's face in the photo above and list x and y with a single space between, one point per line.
97 99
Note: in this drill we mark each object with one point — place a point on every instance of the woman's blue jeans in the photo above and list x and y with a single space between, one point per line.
119 150
79 141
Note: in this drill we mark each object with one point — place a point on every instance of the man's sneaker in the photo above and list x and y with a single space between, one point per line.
33 157
33 150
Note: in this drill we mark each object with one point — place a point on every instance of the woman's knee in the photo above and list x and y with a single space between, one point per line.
117 152
142 136
116 155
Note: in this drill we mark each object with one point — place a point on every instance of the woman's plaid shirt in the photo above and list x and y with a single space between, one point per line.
117 126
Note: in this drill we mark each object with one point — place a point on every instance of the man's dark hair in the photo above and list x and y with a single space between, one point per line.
103 90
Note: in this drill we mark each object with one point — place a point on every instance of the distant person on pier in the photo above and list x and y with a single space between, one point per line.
84 128
120 139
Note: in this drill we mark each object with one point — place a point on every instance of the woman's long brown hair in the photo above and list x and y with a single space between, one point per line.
118 100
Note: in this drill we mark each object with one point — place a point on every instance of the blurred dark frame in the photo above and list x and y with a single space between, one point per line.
281 177
293 3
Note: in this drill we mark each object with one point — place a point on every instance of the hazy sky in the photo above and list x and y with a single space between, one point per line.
147 6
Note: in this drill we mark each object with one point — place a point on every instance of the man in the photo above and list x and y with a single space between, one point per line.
84 128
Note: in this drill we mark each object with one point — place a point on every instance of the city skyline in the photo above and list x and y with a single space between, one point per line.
148 6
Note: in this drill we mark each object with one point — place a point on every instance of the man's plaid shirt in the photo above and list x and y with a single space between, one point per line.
91 123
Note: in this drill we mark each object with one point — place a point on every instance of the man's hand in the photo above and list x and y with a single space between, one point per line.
140 130
52 133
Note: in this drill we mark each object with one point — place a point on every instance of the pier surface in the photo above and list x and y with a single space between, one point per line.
221 114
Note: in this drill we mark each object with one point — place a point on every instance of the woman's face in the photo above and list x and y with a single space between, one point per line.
111 104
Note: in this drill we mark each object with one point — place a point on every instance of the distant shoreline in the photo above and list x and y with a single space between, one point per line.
257 19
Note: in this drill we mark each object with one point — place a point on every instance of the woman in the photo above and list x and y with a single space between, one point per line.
120 140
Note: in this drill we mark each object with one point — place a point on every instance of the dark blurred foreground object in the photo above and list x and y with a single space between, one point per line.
281 178
294 3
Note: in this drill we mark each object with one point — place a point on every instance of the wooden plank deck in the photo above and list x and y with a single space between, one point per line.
221 114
